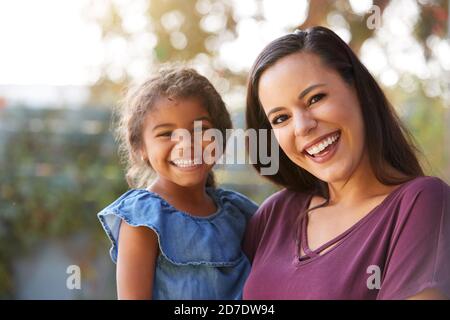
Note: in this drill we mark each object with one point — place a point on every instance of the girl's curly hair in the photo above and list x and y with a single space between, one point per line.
128 117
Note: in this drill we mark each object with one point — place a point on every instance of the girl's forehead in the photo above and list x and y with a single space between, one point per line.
163 103
177 111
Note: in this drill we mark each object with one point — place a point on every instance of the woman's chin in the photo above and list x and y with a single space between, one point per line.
332 175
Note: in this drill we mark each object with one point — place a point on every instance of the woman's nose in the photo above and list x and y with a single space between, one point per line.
304 122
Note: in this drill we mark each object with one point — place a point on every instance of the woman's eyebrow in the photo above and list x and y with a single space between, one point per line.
309 89
276 109
300 96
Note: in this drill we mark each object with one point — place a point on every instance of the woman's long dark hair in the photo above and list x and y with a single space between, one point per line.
387 140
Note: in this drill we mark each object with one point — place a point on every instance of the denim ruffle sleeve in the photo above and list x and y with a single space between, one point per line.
135 207
200 257
244 204
183 239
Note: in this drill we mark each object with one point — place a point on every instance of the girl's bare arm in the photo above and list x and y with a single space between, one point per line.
137 253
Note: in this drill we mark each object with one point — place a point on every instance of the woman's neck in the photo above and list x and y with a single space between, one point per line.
359 187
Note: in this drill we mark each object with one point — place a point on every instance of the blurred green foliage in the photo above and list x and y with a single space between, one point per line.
58 168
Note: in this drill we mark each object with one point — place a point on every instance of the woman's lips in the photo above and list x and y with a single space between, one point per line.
317 141
326 154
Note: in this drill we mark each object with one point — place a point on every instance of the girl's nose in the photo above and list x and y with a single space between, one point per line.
183 143
183 150
304 122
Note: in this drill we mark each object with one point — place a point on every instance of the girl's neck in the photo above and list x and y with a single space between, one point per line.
191 199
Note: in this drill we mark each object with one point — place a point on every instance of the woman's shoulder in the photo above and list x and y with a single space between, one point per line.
284 201
284 197
426 182
424 188
420 201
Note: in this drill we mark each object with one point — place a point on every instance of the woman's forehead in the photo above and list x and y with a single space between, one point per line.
291 75
301 66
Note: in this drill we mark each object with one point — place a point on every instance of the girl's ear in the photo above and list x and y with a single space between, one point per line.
144 157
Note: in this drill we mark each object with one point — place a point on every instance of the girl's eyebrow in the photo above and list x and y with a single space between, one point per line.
203 118
162 125
171 124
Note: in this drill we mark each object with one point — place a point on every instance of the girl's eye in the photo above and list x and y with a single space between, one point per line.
279 119
201 129
165 134
316 98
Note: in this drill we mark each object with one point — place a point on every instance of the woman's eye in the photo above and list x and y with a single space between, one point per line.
316 98
279 119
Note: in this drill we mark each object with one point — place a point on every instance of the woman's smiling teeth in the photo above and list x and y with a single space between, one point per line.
320 146
185 163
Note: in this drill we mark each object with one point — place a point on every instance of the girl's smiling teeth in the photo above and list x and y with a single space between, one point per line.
322 145
185 163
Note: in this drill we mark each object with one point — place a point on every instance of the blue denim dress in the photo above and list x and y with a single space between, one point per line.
200 257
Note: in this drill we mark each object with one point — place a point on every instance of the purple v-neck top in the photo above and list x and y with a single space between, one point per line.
398 249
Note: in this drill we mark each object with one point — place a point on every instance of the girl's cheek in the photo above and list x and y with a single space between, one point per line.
209 153
162 149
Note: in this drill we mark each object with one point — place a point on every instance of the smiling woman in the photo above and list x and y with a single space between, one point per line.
296 123
355 197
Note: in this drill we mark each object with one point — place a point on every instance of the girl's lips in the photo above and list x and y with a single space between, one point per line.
187 168
327 155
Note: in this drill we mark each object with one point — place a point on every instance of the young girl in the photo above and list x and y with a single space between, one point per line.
180 237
